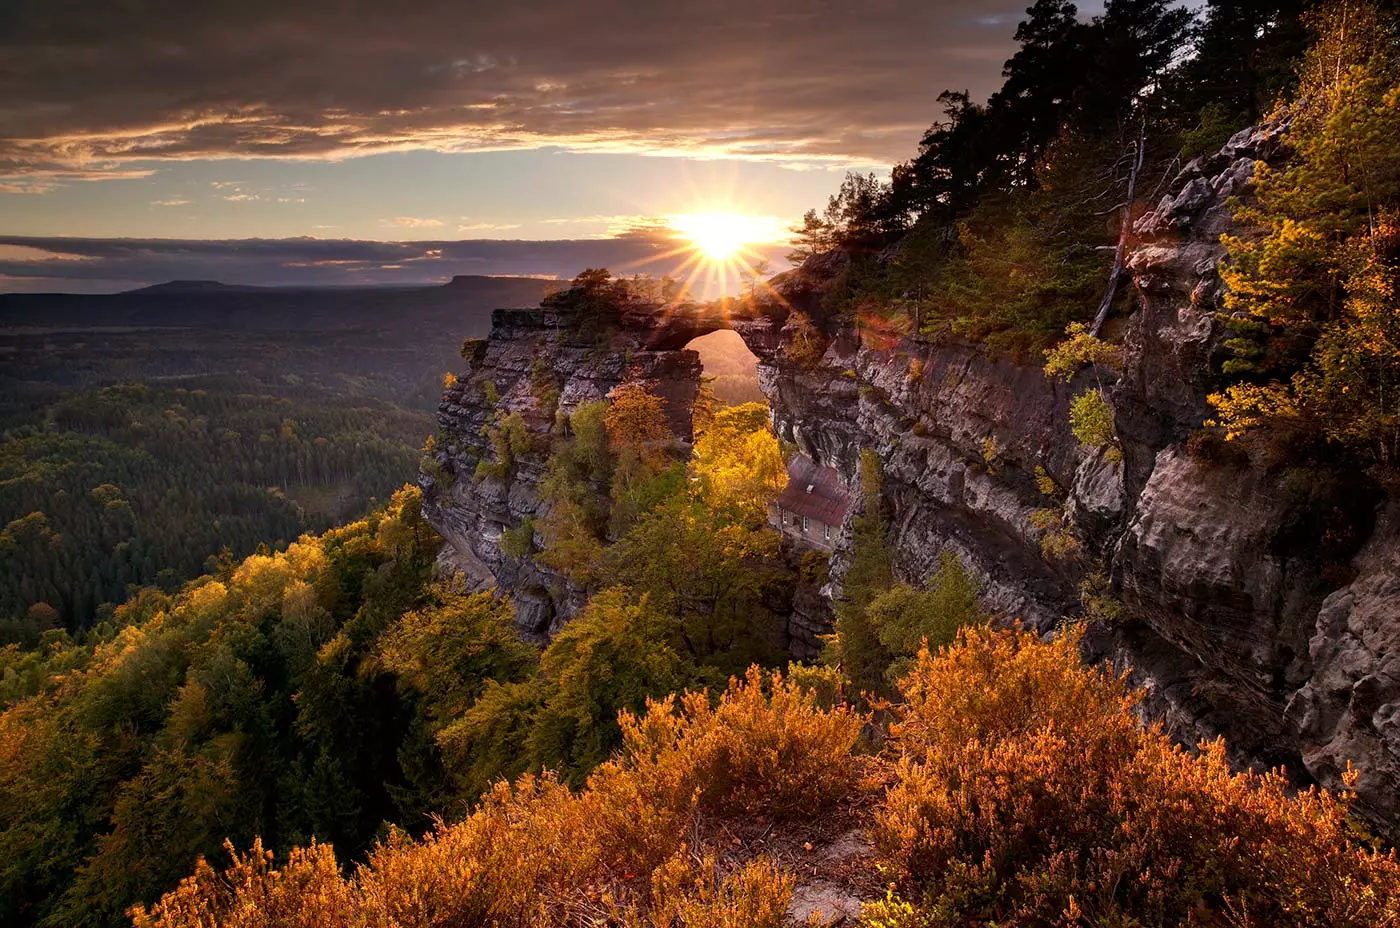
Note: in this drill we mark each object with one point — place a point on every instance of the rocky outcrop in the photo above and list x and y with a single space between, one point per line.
536 364
1348 711
1257 601
1226 567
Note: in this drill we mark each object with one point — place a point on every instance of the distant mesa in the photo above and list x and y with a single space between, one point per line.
471 282
477 283
195 286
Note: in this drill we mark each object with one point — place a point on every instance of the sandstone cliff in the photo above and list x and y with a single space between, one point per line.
1260 598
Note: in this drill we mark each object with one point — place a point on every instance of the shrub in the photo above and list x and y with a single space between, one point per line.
1091 421
805 344
1029 793
536 853
1079 350
519 542
1060 540
443 475
1098 600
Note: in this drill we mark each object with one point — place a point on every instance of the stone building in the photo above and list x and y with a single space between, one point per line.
812 507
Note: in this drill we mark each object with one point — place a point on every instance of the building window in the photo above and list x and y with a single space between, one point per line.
828 533
804 525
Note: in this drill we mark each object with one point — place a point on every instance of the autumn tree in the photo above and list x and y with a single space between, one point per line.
1313 302
737 463
636 418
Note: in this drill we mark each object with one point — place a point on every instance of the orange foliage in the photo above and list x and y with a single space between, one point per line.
636 417
536 853
1026 790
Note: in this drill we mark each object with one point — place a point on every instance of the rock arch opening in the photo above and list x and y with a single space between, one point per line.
733 367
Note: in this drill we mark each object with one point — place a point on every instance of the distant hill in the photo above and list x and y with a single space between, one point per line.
463 305
193 286
393 343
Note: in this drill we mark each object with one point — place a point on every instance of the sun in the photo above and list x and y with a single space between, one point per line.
723 237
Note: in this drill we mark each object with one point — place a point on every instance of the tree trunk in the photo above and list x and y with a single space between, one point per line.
1124 228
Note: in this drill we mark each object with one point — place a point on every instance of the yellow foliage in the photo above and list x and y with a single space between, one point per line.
1078 350
738 463
1314 301
636 417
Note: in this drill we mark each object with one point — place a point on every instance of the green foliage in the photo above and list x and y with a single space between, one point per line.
572 545
509 439
1091 421
1060 541
1027 264
714 576
139 484
999 218
1214 125
445 652
1098 600
589 427
854 645
519 542
612 657
444 477
246 703
1313 301
907 619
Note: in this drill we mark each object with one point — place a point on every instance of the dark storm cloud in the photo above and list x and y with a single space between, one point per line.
81 264
92 83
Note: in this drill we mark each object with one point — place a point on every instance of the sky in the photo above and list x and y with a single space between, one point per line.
381 141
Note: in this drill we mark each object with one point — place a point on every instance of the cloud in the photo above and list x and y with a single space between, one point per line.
84 264
174 201
25 180
12 253
488 226
806 84
414 222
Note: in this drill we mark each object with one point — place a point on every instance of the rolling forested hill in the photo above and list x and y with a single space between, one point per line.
146 433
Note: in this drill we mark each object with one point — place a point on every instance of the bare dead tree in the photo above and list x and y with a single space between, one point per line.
1123 230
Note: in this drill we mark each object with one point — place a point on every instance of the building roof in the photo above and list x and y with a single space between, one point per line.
816 492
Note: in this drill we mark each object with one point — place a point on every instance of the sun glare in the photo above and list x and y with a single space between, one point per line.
721 237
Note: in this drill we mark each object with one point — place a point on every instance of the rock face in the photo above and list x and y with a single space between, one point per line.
1262 598
536 364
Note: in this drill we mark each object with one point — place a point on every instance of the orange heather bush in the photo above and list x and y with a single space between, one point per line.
535 853
1028 793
